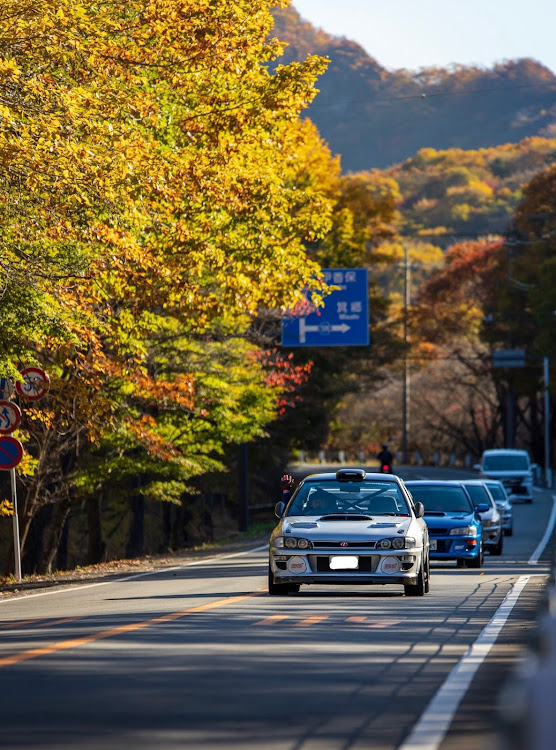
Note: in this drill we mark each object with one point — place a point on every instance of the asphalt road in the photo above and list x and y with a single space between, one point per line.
199 656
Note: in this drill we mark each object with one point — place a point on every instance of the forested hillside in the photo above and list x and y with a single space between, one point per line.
452 194
374 117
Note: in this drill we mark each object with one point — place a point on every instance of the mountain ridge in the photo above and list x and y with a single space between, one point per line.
375 118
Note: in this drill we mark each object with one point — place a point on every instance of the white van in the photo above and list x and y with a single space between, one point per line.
511 467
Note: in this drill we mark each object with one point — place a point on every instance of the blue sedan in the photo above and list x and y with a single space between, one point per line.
455 529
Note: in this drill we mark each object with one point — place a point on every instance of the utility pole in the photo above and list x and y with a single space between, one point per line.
243 466
406 373
547 469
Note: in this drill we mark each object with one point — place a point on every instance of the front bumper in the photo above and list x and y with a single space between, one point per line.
398 567
518 490
492 536
454 548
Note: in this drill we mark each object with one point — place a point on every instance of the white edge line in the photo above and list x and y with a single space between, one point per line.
133 577
435 721
534 559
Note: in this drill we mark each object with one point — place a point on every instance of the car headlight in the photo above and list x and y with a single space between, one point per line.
398 542
464 531
292 542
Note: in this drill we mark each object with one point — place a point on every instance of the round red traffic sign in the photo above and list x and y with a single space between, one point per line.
35 383
10 417
11 452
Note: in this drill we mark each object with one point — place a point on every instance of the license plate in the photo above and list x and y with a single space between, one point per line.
432 544
344 562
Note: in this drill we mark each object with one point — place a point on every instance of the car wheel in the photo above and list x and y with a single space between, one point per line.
428 577
280 589
499 547
509 532
419 588
477 562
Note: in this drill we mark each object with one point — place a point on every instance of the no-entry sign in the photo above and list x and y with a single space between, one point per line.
11 452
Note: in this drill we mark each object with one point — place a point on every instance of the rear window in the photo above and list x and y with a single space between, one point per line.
506 463
446 499
367 497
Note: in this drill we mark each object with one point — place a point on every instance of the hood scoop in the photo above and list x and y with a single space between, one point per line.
346 517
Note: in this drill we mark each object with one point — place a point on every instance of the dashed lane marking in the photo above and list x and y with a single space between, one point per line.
35 653
313 620
272 620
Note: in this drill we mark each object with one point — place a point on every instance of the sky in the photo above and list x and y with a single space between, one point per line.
415 34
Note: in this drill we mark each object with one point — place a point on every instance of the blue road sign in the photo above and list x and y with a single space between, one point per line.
11 452
344 319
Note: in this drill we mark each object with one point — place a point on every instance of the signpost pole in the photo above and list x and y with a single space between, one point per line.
17 548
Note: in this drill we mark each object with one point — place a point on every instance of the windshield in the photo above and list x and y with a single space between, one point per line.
446 499
496 491
479 494
374 498
505 463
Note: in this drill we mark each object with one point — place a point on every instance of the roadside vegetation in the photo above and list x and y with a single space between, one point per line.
163 202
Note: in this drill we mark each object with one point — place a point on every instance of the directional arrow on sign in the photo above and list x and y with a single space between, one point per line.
323 328
10 417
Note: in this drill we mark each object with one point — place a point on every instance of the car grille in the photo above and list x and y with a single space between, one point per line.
442 545
345 545
366 565
438 532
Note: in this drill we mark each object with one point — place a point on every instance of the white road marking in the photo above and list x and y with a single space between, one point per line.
81 587
534 559
432 727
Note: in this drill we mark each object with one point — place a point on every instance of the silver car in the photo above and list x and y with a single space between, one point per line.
350 527
493 535
503 503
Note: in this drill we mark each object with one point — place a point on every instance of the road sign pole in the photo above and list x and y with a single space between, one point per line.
17 548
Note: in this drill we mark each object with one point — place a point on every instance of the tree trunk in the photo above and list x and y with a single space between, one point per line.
135 543
97 547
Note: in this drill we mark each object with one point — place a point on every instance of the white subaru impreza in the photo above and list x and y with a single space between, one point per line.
351 527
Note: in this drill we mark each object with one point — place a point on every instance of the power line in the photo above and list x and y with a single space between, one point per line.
433 95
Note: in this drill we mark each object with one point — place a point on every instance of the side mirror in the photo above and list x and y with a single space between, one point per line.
419 510
279 509
482 508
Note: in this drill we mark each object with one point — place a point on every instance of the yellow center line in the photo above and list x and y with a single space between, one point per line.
34 653
46 623
18 623
313 620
